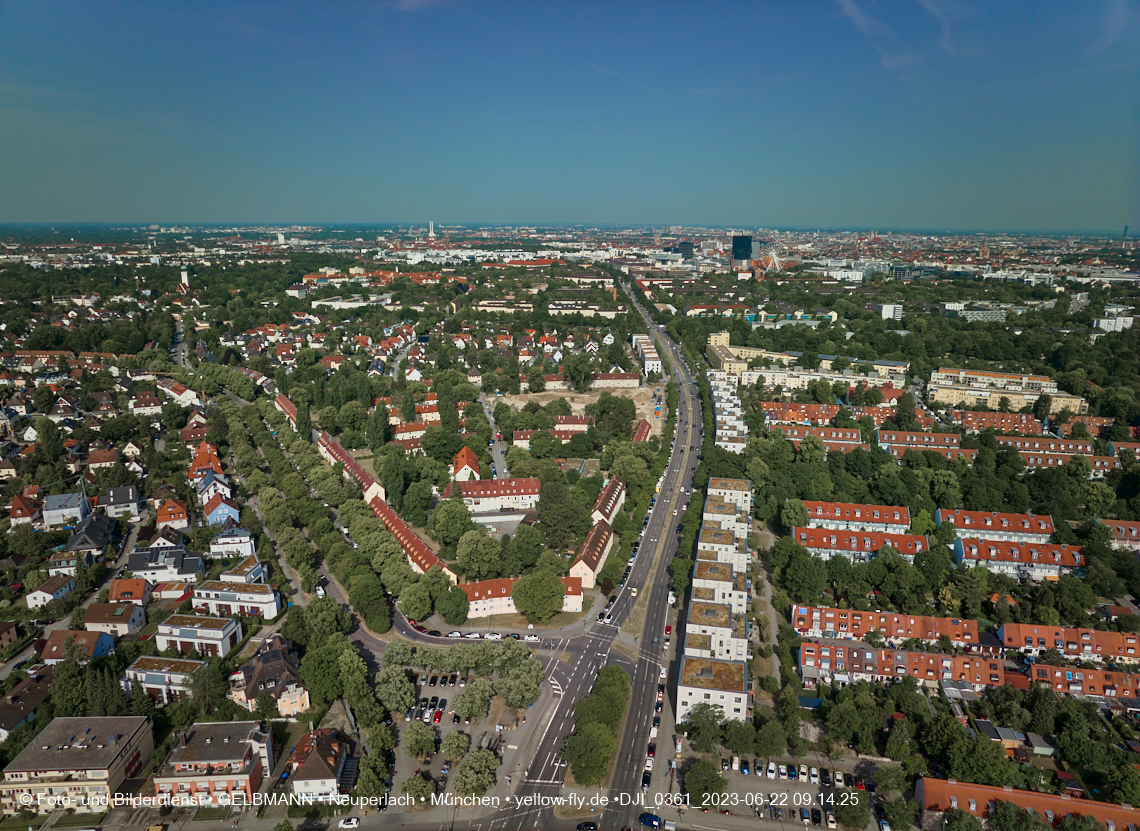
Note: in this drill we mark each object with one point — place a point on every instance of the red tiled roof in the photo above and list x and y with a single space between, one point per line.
898 516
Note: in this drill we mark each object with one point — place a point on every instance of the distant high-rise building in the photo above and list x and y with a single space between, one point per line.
686 249
431 229
742 248
184 286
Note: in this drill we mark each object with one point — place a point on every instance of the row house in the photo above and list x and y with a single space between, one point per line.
420 556
1118 447
713 631
974 421
727 516
493 597
1099 466
1074 644
832 437
823 663
593 553
1078 681
830 447
951 453
894 628
208 636
178 393
990 525
1049 445
163 679
1021 561
1125 535
780 412
916 440
715 582
609 501
212 485
521 438
217 764
857 546
1095 425
224 598
996 380
573 423
287 408
491 495
717 545
841 516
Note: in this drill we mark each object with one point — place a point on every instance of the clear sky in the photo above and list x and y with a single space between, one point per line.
1018 115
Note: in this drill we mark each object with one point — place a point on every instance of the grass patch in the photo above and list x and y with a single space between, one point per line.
316 811
78 820
16 824
288 735
564 657
498 705
627 651
208 814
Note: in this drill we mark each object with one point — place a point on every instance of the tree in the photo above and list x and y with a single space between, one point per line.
955 819
900 812
854 811
1124 784
905 412
588 751
419 740
419 788
794 514
455 746
284 825
415 601
266 707
480 555
890 779
771 740
1042 407
539 596
208 687
740 737
51 443
475 701
393 688
702 781
452 520
452 605
304 425
476 774
704 722
898 742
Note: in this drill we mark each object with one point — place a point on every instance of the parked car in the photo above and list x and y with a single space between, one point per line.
473 636
772 770
349 822
813 776
744 769
783 772
492 636
724 764
532 639
455 634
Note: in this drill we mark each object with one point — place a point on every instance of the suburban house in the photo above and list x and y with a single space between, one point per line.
87 758
208 636
90 540
90 644
51 589
317 764
274 670
173 514
64 509
134 590
116 619
161 564
233 542
224 598
465 467
221 509
119 502
163 679
19 706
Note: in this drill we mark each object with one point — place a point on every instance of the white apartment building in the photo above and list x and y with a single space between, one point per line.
224 598
493 495
722 684
208 636
713 631
163 679
717 583
723 546
736 491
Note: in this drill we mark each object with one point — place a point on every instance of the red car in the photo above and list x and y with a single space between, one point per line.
668 630
438 715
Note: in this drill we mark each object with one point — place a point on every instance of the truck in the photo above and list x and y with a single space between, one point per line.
672 598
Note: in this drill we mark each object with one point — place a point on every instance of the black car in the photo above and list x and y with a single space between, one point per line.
657 721
435 633
825 777
724 764
455 719
646 778
601 617
658 708
816 817
587 826
434 680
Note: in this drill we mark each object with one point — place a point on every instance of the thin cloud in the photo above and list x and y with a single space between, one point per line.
1118 17
946 15
892 55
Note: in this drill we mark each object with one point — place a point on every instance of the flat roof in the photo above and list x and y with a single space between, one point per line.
196 622
711 674
177 666
709 614
713 571
211 742
234 588
730 484
86 743
716 536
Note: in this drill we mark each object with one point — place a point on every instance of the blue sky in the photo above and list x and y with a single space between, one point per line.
827 113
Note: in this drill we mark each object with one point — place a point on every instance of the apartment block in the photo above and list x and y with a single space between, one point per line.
223 598
722 684
1021 561
990 525
857 546
217 763
208 636
843 516
713 631
163 679
717 583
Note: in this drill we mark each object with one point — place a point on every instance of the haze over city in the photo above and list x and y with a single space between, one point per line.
928 115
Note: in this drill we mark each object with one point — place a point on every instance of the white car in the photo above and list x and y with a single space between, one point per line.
349 822
532 638
783 772
492 636
455 634
771 770
473 636
649 763
813 776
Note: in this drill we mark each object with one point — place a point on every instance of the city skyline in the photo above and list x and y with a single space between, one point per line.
932 116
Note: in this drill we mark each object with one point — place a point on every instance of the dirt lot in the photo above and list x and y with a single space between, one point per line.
641 398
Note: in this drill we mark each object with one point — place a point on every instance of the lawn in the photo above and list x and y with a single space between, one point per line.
78 820
208 814
14 823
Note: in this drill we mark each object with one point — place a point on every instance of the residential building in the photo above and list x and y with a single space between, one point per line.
893 628
223 598
1022 561
233 542
317 764
725 516
116 619
120 502
208 636
160 564
90 540
1074 644
736 491
937 796
1049 445
249 570
220 510
1125 535
274 670
90 645
135 590
64 509
86 759
609 501
465 467
717 583
163 679
990 525
493 495
592 555
54 588
857 546
217 763
713 631
493 597
723 546
19 706
842 663
722 684
842 516
173 513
